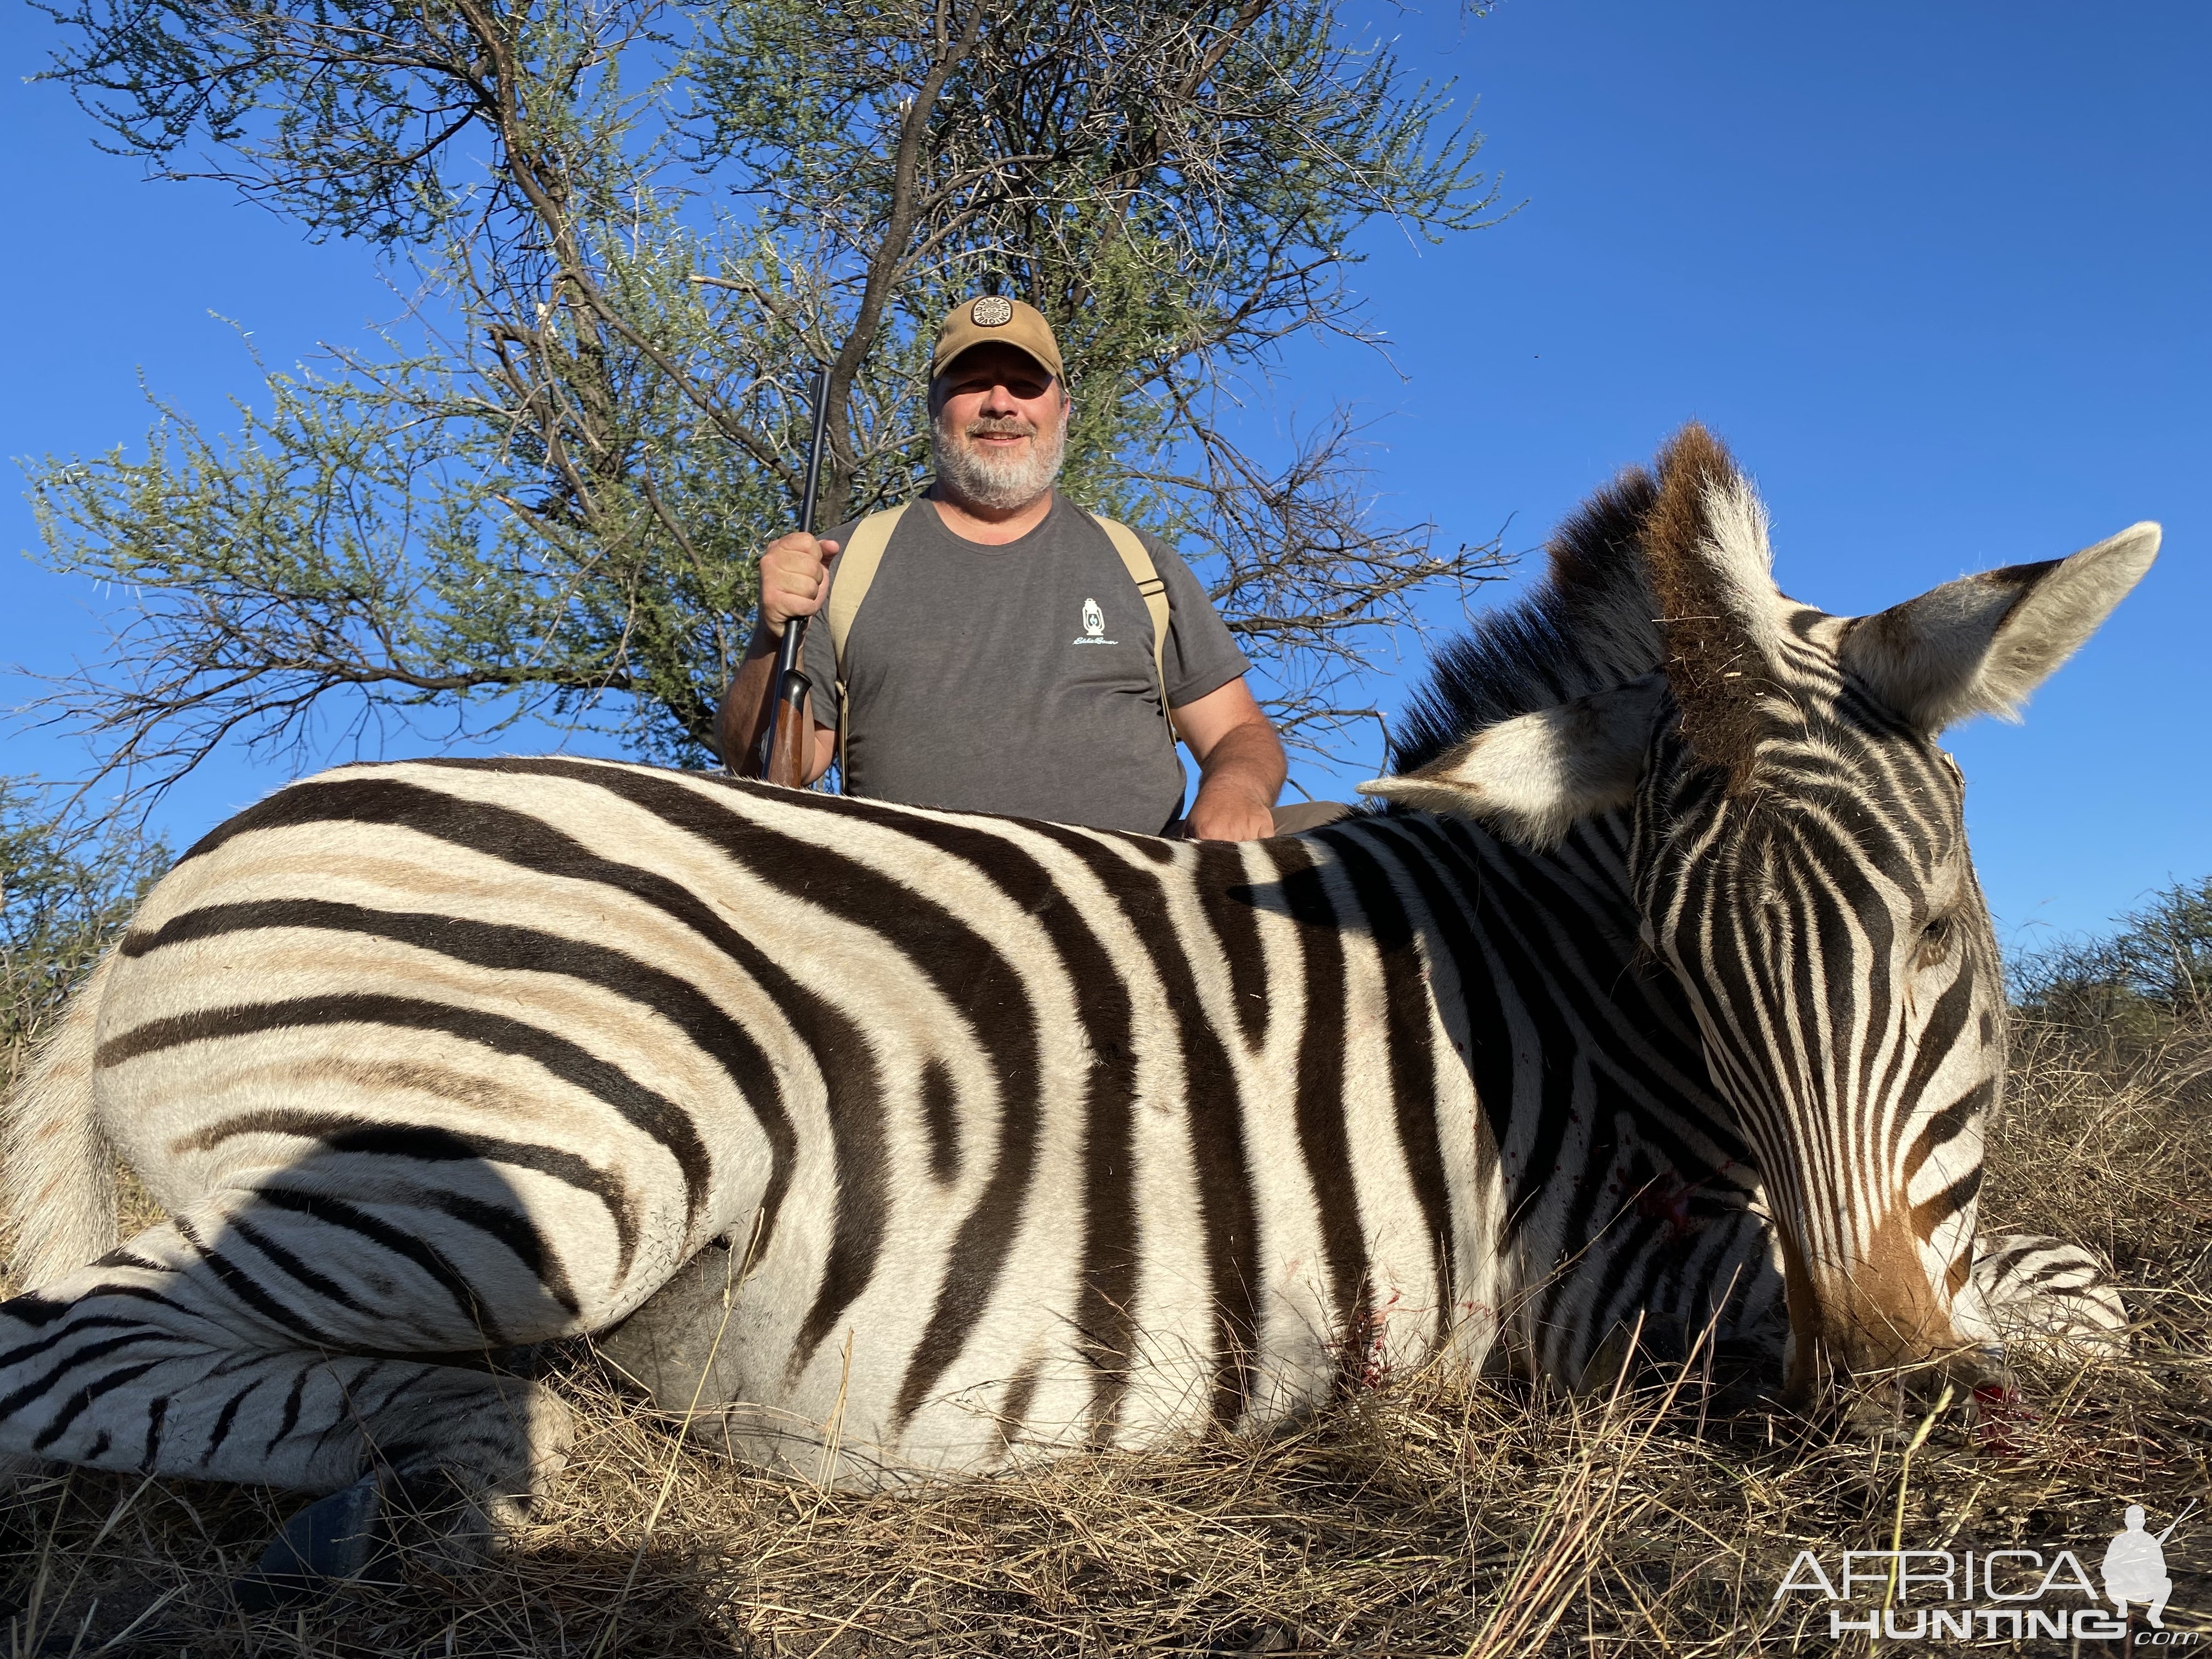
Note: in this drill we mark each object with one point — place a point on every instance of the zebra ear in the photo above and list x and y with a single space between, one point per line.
1980 645
1720 616
1530 778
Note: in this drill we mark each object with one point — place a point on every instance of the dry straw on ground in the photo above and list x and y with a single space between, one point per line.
1439 1515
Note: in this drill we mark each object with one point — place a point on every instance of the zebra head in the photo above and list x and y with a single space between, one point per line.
1797 857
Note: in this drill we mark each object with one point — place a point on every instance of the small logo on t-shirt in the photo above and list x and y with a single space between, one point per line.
1094 626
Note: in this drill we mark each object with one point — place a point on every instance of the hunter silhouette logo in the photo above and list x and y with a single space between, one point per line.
1094 626
2134 1565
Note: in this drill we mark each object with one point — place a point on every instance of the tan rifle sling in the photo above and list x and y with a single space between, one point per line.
1131 547
863 554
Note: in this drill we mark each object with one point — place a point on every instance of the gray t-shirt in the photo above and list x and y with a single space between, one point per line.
1018 679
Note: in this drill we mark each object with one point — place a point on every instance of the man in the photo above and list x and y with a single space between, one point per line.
1003 660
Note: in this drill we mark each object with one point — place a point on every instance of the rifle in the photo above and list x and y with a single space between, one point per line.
787 744
2176 1522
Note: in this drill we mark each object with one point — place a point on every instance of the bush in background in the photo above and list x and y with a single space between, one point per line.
2106 1136
69 884
2137 987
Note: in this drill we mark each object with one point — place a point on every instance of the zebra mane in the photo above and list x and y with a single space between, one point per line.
1588 627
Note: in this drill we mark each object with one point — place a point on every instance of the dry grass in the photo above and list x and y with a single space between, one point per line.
1441 1515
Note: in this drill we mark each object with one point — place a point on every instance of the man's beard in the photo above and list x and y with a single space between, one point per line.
1000 484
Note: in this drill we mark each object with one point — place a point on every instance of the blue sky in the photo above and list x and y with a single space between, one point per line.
1938 274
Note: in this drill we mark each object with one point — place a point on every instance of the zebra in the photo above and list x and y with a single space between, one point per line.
1656 994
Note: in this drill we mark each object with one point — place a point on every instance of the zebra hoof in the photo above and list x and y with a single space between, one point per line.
334 1540
448 1517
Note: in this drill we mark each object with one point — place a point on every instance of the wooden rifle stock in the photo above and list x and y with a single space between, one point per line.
789 740
786 748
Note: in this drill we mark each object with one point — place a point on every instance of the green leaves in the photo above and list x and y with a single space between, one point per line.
67 889
354 118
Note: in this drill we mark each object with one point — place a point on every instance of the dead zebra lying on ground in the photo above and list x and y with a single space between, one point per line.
1662 993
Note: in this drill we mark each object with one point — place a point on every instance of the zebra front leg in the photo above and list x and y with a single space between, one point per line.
473 1450
253 1339
2039 1292
455 1495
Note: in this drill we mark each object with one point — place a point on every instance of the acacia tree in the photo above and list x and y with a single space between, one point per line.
629 226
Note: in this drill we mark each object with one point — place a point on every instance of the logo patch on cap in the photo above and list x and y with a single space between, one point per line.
992 311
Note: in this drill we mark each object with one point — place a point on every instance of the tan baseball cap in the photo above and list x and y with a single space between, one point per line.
993 319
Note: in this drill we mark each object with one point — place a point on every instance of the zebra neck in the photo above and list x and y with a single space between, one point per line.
1569 1028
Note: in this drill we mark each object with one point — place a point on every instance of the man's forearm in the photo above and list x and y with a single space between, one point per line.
1248 761
1238 782
745 707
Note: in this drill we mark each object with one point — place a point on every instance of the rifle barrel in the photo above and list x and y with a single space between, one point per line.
790 685
2176 1522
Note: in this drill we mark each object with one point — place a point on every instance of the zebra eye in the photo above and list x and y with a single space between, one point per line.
1935 940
